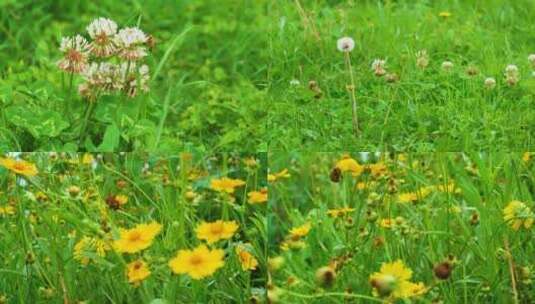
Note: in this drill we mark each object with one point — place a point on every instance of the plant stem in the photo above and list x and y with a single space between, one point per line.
352 94
86 119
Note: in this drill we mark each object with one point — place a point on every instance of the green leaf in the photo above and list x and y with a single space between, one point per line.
111 139
39 122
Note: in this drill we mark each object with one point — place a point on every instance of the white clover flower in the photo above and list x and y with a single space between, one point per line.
75 55
447 66
378 65
134 78
103 75
345 44
531 59
131 43
511 69
490 83
512 76
422 59
102 31
294 82
102 26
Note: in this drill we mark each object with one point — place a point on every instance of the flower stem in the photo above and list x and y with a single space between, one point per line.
352 94
86 119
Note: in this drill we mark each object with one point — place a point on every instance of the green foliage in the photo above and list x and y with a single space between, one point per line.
426 110
201 47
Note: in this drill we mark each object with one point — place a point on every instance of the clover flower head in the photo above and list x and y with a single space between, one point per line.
531 59
102 31
490 83
75 54
512 76
378 65
422 59
134 78
447 66
131 43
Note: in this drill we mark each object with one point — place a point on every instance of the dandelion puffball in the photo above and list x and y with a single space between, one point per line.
345 44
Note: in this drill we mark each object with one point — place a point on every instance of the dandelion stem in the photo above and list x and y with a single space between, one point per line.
352 93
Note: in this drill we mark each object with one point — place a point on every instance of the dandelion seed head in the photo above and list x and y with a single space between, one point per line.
345 44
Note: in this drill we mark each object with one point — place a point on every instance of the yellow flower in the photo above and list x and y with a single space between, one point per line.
386 223
138 238
517 214
226 184
393 281
137 271
526 157
377 169
247 260
340 211
275 176
410 197
7 210
250 162
215 231
88 246
301 231
121 199
444 14
258 197
348 164
197 263
19 166
87 159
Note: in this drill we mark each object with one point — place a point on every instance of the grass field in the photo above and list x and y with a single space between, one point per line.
443 215
62 219
426 109
204 93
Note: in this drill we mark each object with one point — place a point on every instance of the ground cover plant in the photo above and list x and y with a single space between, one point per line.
142 75
424 75
132 228
402 228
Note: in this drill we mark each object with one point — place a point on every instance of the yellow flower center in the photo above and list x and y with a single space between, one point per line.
134 236
216 229
196 260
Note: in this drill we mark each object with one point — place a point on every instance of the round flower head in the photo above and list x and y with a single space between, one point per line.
134 78
490 83
378 65
531 59
447 66
345 44
103 75
511 69
131 43
75 50
102 31
512 75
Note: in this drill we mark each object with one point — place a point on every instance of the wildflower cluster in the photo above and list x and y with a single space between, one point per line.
110 61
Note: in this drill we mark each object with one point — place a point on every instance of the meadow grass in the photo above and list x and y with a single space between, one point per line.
43 219
427 109
205 94
393 217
